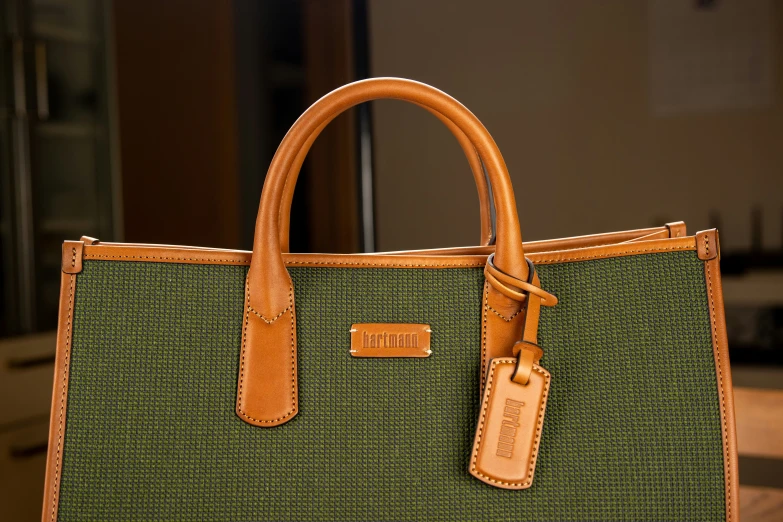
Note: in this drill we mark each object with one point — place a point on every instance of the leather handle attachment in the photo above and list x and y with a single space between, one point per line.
476 166
267 388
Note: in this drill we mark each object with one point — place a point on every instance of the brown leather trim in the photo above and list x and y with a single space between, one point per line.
166 254
677 229
88 240
72 257
707 244
530 246
568 243
618 250
720 347
661 234
589 240
59 397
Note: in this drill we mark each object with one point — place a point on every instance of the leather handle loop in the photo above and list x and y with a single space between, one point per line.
476 166
501 282
525 360
268 279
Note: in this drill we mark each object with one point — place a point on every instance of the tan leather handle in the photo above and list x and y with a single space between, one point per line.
267 384
485 202
269 284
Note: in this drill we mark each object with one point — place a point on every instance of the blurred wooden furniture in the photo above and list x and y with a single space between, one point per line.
759 415
26 370
58 165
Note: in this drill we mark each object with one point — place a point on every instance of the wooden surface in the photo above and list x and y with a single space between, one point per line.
761 504
26 370
759 415
22 467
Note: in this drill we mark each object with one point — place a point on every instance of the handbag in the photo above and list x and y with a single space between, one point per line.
584 378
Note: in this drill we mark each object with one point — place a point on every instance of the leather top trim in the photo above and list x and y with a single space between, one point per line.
206 256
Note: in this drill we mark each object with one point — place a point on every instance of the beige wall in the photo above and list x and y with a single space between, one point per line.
564 89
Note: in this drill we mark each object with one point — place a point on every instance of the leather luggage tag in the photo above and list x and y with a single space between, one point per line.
509 428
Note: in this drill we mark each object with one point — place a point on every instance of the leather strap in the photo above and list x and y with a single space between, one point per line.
267 388
501 281
527 350
476 166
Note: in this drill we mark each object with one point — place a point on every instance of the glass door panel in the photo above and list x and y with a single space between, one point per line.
68 132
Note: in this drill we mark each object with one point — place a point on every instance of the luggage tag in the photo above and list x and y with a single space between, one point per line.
511 417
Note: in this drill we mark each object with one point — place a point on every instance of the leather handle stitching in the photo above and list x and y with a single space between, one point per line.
507 319
269 321
293 357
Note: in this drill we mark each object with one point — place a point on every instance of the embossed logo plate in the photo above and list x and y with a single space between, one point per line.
390 340
509 429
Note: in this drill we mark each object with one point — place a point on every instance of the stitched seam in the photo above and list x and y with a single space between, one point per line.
55 484
272 320
507 319
613 254
719 368
242 357
534 455
104 256
484 336
406 265
454 265
308 263
73 258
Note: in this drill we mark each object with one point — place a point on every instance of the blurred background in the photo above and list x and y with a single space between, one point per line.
148 121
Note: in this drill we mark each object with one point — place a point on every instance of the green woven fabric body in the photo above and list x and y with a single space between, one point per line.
632 427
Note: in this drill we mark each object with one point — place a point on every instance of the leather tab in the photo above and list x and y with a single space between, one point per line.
87 240
73 253
267 387
677 229
509 429
707 244
527 358
390 340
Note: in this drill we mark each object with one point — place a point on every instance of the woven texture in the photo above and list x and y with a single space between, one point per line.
632 428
